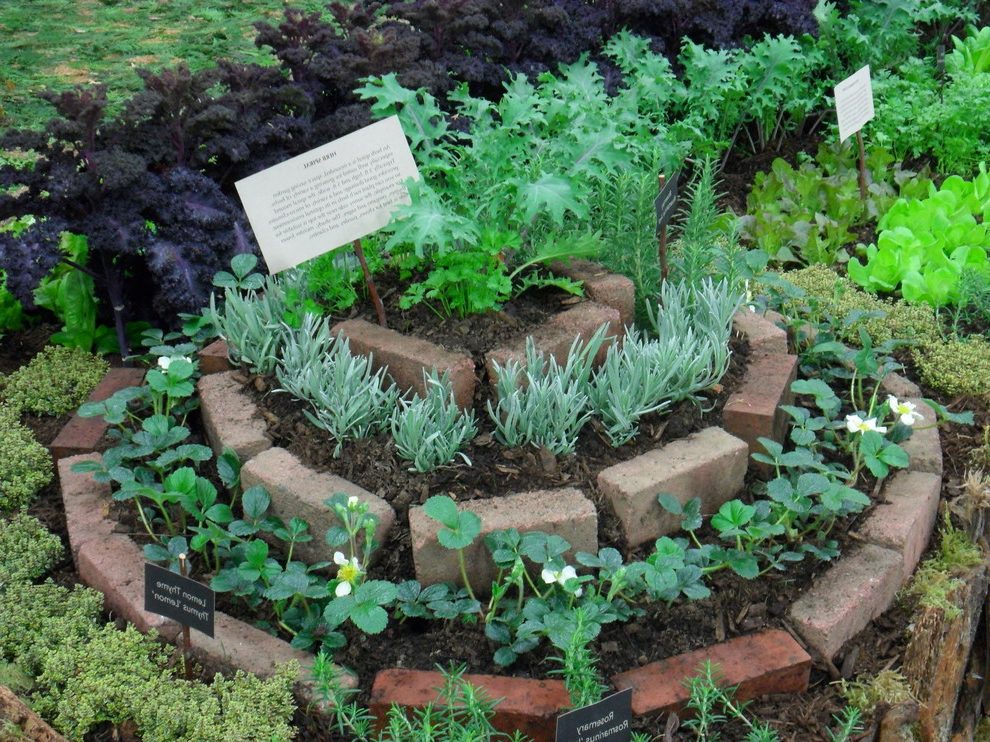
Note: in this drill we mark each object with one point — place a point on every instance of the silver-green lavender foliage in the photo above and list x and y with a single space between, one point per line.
349 398
253 322
545 404
430 431
303 350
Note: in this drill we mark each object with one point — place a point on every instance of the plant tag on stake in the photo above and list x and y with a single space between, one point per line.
179 598
666 201
605 721
854 102
330 196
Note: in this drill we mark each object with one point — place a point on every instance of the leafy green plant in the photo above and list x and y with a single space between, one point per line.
27 549
335 279
25 465
54 382
713 704
970 54
459 529
925 244
430 431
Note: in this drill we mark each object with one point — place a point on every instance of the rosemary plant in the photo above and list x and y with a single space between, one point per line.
430 431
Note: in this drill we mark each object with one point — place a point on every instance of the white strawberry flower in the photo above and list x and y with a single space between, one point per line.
165 361
904 410
348 573
352 502
856 424
560 576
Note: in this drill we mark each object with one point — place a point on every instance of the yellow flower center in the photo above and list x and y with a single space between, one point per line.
349 572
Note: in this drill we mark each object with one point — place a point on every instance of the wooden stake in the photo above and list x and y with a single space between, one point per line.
664 268
372 289
186 637
862 165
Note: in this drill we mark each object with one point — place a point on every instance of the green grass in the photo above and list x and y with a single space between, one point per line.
56 44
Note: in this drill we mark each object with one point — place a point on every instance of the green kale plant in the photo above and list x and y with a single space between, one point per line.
54 382
25 465
27 549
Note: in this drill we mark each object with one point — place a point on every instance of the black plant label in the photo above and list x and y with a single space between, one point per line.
666 201
605 721
179 598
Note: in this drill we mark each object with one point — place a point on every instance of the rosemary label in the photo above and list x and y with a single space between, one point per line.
605 721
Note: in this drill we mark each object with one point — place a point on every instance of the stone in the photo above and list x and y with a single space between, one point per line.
763 335
758 664
298 491
408 357
564 512
230 417
710 464
854 591
527 705
213 359
86 503
83 434
600 285
904 520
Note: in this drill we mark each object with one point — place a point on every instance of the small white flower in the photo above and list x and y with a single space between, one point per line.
342 589
904 410
349 573
548 575
551 576
164 362
352 502
856 424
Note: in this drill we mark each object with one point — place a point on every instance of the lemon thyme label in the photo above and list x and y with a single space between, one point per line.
179 598
605 721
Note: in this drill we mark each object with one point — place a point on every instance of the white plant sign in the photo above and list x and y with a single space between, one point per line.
330 196
854 102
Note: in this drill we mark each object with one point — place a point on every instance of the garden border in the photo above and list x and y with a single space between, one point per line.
894 535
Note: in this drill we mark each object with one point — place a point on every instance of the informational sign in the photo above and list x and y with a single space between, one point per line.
605 721
666 201
854 102
329 196
179 598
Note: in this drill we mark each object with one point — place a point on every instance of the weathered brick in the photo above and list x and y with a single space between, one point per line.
298 491
611 289
753 411
710 464
564 512
854 591
230 417
213 359
923 448
408 357
555 336
763 335
83 434
115 566
904 520
29 725
527 705
899 386
86 503
758 664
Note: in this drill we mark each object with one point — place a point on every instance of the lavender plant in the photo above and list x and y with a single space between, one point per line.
430 431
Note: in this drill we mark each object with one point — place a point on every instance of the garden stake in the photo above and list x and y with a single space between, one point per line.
372 289
664 269
186 637
862 165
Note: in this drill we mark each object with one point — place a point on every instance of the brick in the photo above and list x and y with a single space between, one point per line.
710 464
924 449
899 386
528 705
296 490
854 591
564 512
230 417
31 726
86 503
408 357
611 289
115 567
213 359
83 434
904 520
759 664
753 410
763 335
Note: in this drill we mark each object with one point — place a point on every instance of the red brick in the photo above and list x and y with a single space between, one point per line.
83 434
763 334
753 410
899 386
86 503
296 490
555 336
710 464
31 726
611 289
115 567
230 417
408 357
923 448
904 520
759 664
213 359
564 512
854 591
527 705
